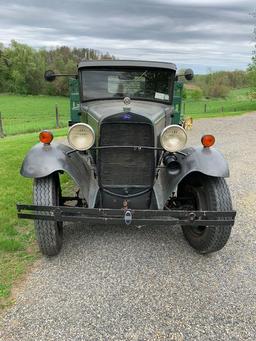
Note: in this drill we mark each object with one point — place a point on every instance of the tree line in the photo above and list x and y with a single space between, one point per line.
218 84
22 67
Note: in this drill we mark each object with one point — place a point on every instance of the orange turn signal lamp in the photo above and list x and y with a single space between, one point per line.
46 137
208 141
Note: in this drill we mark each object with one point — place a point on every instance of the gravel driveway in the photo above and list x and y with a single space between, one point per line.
122 283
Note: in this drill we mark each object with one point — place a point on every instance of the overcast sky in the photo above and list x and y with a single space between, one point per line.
195 33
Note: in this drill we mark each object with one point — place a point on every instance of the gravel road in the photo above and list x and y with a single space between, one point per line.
116 283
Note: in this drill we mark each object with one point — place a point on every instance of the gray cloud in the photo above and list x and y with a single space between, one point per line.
193 32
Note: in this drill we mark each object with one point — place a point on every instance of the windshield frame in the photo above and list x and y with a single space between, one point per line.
171 80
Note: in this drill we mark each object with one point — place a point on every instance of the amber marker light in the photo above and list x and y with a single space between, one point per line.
208 141
46 137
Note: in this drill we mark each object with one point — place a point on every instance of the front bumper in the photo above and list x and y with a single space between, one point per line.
128 217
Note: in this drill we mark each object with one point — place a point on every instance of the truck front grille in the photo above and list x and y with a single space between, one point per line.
125 166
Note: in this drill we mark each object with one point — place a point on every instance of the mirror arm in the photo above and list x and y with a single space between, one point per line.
50 75
65 75
178 76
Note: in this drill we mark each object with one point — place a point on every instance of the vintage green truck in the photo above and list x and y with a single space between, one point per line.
127 154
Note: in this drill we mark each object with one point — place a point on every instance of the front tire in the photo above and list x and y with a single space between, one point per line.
212 194
46 192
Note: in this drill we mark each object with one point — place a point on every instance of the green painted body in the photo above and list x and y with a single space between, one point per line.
177 103
75 115
75 112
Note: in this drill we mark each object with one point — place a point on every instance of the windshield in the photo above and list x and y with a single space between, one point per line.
150 84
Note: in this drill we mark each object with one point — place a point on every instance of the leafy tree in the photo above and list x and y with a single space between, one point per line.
252 66
25 73
26 69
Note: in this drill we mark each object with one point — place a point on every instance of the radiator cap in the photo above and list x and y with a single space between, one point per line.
127 104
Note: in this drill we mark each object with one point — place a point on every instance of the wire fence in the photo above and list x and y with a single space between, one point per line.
20 124
55 118
211 107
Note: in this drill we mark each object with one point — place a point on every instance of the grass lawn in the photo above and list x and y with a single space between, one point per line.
23 114
236 103
17 246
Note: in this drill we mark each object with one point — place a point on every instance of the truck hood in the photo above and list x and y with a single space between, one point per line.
104 108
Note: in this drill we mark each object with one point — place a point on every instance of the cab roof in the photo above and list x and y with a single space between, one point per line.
126 63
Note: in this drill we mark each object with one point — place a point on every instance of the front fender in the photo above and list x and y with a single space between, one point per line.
43 160
208 161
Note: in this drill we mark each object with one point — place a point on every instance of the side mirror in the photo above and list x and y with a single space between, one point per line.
49 76
189 74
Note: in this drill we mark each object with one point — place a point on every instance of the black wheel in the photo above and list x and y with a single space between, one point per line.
212 194
47 192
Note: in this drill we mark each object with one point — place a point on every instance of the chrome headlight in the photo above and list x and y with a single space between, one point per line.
81 136
173 138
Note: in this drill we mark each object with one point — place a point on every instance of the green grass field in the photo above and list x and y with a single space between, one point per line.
17 246
236 103
24 114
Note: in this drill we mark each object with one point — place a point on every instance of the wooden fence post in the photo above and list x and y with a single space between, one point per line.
1 126
57 116
222 109
205 107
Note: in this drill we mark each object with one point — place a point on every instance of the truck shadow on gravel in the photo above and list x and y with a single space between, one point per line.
82 240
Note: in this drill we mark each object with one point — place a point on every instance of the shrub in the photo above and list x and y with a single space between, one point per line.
252 95
218 90
196 94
